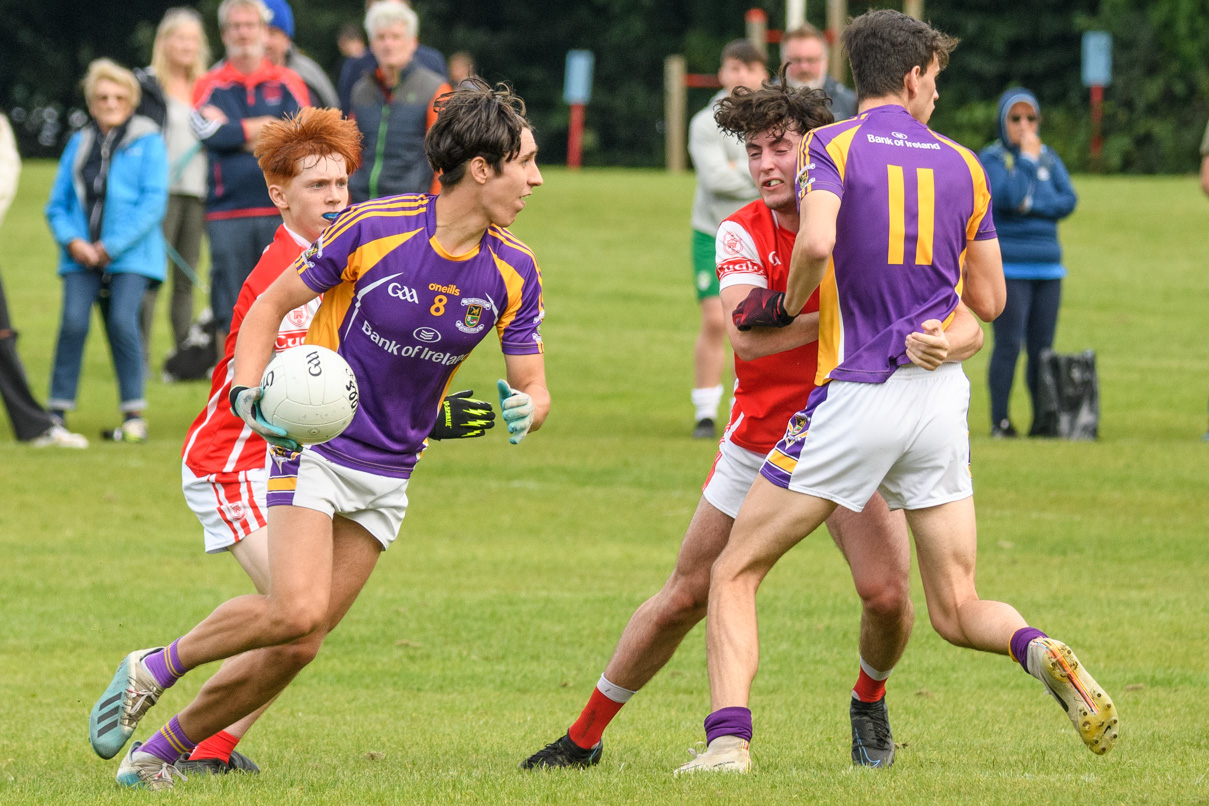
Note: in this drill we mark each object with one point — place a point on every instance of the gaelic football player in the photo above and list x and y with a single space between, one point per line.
775 371
411 285
895 229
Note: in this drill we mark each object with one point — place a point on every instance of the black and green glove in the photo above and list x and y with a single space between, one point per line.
462 417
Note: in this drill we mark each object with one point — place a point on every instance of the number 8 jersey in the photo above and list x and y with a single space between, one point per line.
405 314
910 201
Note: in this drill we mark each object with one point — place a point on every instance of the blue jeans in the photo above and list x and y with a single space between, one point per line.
1029 319
235 248
80 290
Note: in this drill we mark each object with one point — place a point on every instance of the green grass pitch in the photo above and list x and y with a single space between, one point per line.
484 629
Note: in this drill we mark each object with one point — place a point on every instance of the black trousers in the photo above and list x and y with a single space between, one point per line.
28 417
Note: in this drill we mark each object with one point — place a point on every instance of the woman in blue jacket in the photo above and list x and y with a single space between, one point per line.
105 210
1031 193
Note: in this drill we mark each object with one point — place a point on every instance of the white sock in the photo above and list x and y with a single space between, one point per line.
614 692
706 401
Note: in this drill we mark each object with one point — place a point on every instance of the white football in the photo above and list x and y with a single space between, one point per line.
310 391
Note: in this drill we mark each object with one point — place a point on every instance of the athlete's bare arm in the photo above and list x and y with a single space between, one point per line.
761 341
812 250
985 290
965 334
258 333
527 373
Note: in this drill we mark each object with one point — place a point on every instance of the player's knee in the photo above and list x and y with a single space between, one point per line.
684 600
890 601
288 624
295 656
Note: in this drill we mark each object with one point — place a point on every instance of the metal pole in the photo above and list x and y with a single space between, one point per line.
837 18
914 8
757 29
674 103
795 14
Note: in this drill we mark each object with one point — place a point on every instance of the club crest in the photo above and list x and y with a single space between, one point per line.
472 320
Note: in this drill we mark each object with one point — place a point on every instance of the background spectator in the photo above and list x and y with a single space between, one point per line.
1031 192
233 103
350 41
354 69
724 184
461 67
280 50
393 107
105 210
804 49
31 422
179 57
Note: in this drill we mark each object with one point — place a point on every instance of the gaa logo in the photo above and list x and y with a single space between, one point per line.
427 335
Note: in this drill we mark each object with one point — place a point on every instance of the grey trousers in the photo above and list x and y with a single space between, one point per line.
184 223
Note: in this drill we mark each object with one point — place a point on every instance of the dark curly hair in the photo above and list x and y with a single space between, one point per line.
776 108
475 120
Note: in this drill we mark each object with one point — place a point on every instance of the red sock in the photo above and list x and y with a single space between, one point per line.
596 716
867 689
218 746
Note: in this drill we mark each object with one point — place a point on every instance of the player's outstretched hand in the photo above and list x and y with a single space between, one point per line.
463 417
245 402
517 410
930 348
763 307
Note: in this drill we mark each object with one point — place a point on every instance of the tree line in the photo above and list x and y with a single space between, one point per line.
1155 111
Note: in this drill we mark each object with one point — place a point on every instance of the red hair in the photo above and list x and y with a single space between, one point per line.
310 133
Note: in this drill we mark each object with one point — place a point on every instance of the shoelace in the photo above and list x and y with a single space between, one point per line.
139 705
697 750
879 729
165 773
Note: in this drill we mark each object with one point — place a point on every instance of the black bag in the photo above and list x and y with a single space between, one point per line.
197 354
1067 404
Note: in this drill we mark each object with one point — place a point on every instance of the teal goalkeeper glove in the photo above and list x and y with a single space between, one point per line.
517 410
462 417
245 402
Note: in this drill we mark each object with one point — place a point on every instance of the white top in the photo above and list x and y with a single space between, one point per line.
724 183
10 166
179 137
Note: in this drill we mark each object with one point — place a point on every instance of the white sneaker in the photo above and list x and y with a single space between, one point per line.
1089 707
724 754
59 437
132 430
140 770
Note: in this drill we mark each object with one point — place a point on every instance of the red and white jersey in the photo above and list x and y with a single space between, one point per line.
753 249
218 441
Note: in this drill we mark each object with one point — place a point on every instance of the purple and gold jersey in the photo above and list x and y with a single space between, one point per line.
405 313
911 201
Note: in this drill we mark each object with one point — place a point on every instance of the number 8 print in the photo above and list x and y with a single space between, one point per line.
438 305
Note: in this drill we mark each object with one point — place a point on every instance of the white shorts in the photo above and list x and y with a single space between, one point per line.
310 481
908 438
734 471
230 506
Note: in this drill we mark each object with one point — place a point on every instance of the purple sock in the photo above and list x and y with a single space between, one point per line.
165 666
169 743
1019 644
734 721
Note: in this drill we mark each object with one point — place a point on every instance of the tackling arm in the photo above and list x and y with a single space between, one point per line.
761 341
984 289
812 250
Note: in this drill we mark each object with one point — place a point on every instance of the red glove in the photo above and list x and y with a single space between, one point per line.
763 307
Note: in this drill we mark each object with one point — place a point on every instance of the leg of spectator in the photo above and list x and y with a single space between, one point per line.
1009 337
126 292
80 289
1042 325
28 417
187 241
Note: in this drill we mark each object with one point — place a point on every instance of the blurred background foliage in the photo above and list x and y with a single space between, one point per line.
1154 111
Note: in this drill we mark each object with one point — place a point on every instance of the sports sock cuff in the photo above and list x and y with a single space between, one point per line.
169 743
874 673
707 400
165 666
733 721
218 746
613 691
1018 646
